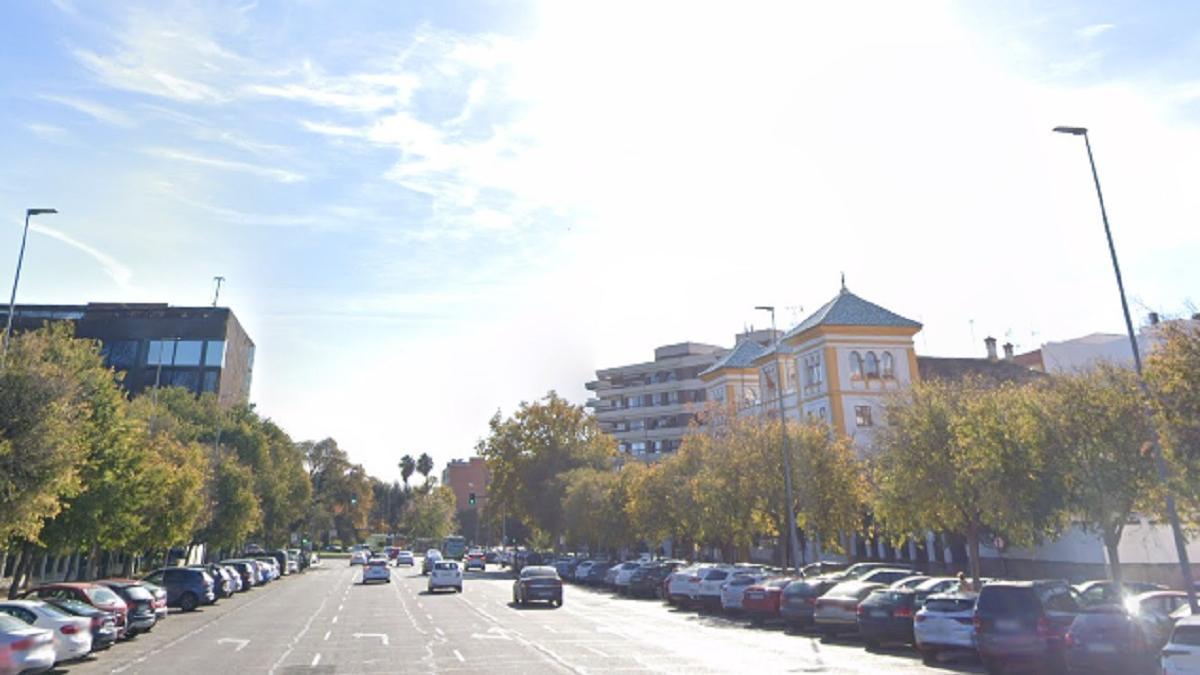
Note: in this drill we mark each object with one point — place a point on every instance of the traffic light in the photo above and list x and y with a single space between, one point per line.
471 499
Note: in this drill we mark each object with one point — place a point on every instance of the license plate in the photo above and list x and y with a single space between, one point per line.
1008 625
880 614
754 596
1101 648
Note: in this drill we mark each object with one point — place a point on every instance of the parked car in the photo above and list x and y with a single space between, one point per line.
24 648
297 561
909 583
763 601
597 572
1106 639
376 569
187 588
72 634
432 557
281 560
734 590
610 575
1153 611
1181 654
945 623
1024 622
935 585
858 570
272 565
246 569
836 612
1105 592
886 616
679 584
705 588
103 625
222 579
95 595
359 557
624 571
405 558
647 581
139 600
476 560
446 574
885 575
821 568
160 598
537 583
800 598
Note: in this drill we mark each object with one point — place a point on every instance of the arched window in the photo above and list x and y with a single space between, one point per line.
889 371
872 369
856 366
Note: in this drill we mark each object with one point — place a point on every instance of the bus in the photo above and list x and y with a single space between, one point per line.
454 547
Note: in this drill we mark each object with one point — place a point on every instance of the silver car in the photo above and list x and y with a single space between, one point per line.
23 648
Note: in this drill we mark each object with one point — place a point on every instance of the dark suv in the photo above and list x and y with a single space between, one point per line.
187 588
1024 621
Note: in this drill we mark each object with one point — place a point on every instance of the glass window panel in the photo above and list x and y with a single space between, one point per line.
215 353
187 352
120 353
211 378
160 351
187 378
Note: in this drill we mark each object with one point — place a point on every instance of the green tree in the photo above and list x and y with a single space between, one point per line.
1173 377
424 465
965 457
407 467
1097 425
430 513
237 514
530 453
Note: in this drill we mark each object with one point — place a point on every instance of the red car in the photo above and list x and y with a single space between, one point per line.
96 595
761 602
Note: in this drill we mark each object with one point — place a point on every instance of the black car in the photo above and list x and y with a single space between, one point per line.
141 617
222 585
799 598
104 624
1024 622
646 581
245 570
1107 639
538 583
596 573
886 615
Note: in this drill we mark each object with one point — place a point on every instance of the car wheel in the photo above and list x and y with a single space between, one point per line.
188 602
458 589
993 667
929 656
872 645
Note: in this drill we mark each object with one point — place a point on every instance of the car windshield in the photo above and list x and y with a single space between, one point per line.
53 611
443 566
941 604
138 593
11 624
1008 600
538 572
73 606
1188 635
101 595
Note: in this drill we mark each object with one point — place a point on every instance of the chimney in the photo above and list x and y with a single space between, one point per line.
1153 318
1008 351
990 342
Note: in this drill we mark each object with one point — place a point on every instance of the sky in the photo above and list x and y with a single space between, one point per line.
429 212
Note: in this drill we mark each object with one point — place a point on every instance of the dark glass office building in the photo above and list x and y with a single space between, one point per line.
198 348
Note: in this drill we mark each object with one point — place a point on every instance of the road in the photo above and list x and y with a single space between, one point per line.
324 621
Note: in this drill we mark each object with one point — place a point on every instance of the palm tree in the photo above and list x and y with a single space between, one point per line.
407 467
424 465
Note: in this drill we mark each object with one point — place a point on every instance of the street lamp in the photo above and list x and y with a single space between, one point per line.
793 545
1159 463
12 301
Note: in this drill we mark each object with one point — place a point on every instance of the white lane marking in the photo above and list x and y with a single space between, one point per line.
298 636
595 651
459 657
429 616
383 637
550 628
315 661
438 631
327 634
240 644
340 607
335 619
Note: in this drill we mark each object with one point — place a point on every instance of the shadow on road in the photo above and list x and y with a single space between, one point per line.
531 606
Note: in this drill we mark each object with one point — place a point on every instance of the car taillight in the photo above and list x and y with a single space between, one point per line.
69 629
903 613
1043 627
978 623
1068 640
694 580
23 645
919 618
811 601
860 610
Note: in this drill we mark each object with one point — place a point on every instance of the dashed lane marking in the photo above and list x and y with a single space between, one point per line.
459 656
327 634
595 651
315 661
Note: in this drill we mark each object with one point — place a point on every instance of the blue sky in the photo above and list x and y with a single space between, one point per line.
430 211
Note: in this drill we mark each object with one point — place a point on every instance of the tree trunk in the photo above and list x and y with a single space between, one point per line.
1112 542
973 547
18 570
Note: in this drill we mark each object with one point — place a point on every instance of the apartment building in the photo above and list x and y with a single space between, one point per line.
648 406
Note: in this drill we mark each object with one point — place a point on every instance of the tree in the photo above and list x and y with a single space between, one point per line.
1173 377
594 507
831 485
965 457
1096 423
430 513
425 465
236 511
407 467
530 453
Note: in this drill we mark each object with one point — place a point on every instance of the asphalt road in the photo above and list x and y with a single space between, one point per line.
324 621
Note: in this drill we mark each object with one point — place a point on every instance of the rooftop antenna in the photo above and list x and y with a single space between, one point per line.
217 293
971 323
843 282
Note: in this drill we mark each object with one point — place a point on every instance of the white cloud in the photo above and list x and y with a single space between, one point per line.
1095 30
47 132
276 174
92 109
117 271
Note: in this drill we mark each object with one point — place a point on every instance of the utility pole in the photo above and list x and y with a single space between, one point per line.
217 293
793 544
12 302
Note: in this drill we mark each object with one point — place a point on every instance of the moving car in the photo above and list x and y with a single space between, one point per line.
1024 622
187 588
538 583
1106 639
103 625
405 558
359 557
1181 654
139 600
446 574
799 600
93 594
376 569
476 560
836 612
886 615
432 556
945 623
72 634
24 648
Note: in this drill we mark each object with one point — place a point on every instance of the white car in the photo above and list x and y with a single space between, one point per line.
405 558
706 592
72 634
376 569
624 571
1181 654
734 590
446 574
581 570
945 624
359 558
679 584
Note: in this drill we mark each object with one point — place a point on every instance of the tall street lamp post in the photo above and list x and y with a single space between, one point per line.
1160 463
12 301
793 544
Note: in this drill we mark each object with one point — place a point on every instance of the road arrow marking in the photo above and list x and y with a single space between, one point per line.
381 636
241 644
